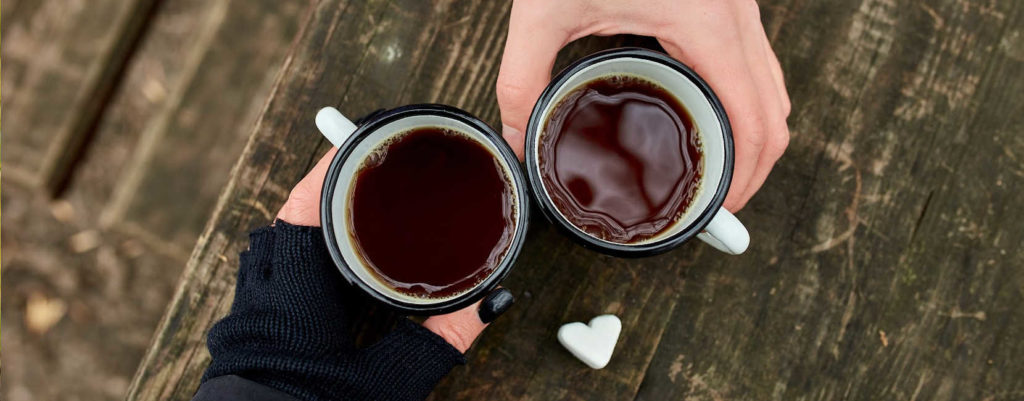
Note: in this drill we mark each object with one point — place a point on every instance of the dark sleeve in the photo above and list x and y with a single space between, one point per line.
233 387
288 330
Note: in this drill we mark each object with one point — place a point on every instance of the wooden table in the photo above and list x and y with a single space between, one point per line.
885 260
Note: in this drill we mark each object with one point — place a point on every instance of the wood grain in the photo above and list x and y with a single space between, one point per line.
883 262
63 61
186 150
192 88
161 68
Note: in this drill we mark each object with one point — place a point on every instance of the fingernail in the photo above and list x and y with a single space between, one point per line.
514 138
507 131
494 304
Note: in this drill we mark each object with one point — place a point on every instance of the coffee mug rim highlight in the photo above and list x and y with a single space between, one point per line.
713 211
499 148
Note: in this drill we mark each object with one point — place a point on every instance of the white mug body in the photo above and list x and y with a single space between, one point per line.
356 141
705 217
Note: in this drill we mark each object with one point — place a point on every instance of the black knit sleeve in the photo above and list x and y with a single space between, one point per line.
288 329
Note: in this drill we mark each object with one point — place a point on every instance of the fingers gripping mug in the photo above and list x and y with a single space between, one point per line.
664 189
593 157
424 207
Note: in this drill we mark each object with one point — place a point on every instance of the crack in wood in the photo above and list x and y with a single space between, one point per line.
920 216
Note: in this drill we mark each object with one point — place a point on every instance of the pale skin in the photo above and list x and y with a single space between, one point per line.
723 40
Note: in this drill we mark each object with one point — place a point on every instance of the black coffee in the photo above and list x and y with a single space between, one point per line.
620 158
432 212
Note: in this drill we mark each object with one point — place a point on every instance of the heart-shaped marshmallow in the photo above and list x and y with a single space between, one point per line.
593 344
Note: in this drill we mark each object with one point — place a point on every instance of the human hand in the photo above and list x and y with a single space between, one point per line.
722 40
459 328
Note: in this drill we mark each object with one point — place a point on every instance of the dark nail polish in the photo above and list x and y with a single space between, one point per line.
495 303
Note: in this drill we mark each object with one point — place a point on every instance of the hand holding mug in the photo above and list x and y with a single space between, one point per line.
459 328
723 41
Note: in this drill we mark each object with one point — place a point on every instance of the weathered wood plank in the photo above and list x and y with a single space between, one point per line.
159 69
559 282
6 11
117 283
885 262
385 59
187 148
115 289
45 54
877 219
334 34
62 62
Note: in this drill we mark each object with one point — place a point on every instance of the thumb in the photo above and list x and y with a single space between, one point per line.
303 205
530 49
462 327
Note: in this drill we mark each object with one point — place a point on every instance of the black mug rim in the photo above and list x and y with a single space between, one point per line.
380 119
548 208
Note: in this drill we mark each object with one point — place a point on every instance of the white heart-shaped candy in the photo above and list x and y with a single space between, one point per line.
593 344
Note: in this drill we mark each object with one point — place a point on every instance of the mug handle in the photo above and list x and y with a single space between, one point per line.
334 126
726 233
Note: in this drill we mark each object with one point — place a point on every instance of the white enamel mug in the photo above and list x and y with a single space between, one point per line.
355 142
705 218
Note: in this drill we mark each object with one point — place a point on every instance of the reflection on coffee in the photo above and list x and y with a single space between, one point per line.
432 212
620 158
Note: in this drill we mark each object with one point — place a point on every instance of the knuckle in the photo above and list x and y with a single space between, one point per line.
751 7
743 8
733 201
778 143
749 144
456 335
287 212
302 207
755 139
296 197
755 133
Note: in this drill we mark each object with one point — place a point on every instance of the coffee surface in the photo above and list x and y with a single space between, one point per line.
620 158
432 212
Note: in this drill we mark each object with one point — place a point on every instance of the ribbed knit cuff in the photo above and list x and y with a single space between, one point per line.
411 358
289 324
